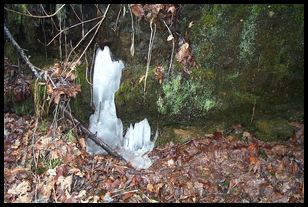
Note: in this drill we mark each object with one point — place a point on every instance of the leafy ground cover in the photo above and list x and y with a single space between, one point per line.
211 168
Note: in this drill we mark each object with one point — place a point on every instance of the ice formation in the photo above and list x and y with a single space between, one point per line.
104 121
136 143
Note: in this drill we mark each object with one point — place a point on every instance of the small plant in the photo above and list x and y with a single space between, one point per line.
45 163
53 163
70 136
43 126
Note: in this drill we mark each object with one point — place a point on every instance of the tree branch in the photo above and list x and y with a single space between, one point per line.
68 114
22 53
35 16
91 135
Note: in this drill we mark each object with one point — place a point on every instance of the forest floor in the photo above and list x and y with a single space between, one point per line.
213 168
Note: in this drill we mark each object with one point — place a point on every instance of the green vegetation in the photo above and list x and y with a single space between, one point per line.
69 136
249 67
186 97
81 104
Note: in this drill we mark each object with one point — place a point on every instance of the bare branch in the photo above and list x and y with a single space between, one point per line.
99 24
35 16
152 36
132 48
173 45
22 53
75 25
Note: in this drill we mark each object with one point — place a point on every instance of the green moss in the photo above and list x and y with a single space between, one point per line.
248 34
186 98
81 105
43 126
273 129
131 99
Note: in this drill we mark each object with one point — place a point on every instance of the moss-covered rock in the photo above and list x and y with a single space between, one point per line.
273 129
179 134
255 53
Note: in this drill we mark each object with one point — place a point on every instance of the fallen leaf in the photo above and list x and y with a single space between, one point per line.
82 143
49 89
25 198
280 150
170 162
127 196
150 187
16 144
137 10
171 9
65 182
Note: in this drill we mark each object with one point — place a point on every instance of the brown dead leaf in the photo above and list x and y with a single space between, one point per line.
21 188
82 143
137 10
171 9
65 182
170 163
280 150
49 89
128 195
159 74
150 187
183 53
158 187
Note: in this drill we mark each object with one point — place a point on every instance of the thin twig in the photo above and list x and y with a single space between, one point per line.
33 142
173 45
35 16
75 25
131 191
152 36
99 24
253 111
75 13
132 47
60 39
116 24
22 53
53 22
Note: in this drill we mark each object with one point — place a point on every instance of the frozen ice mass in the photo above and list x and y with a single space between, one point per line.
136 143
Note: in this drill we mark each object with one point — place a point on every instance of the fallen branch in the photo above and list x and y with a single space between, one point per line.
35 16
22 53
91 135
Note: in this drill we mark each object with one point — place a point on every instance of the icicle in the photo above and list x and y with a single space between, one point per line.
137 143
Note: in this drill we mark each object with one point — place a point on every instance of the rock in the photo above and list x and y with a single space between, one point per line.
273 129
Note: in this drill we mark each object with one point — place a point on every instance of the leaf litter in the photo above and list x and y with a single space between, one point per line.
213 168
